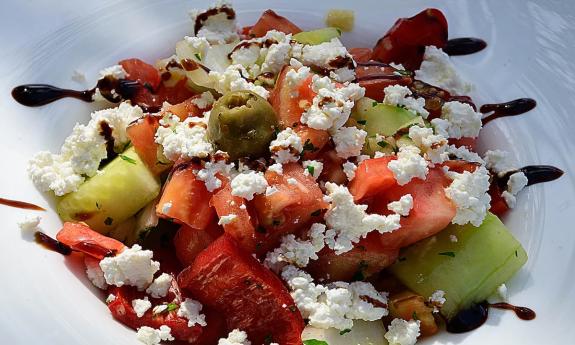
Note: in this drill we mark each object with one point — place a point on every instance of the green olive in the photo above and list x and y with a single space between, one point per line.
242 124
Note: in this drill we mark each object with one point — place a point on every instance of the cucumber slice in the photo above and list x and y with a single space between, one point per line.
468 270
383 119
362 333
341 19
372 145
104 201
318 36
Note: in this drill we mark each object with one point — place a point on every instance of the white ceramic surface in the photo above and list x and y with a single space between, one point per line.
44 298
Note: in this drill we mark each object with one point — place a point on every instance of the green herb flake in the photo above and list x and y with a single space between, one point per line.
198 56
316 213
128 159
108 221
314 342
414 316
450 254
374 104
516 254
310 169
308 146
347 330
362 122
98 206
172 307
382 143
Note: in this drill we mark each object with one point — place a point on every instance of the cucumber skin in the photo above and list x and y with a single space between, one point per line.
485 257
109 198
383 119
318 36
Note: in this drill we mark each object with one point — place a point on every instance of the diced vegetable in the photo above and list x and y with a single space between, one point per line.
408 305
248 295
362 333
272 21
341 19
189 242
360 55
141 72
375 78
383 119
81 238
105 200
372 177
468 270
318 36
142 135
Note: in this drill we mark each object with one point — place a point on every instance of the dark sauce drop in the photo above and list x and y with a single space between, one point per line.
464 46
475 316
51 244
523 313
541 173
512 108
21 204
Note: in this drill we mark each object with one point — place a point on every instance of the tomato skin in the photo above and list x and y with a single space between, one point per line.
142 72
432 211
248 295
186 108
361 54
272 21
367 258
376 78
470 143
405 42
498 205
188 196
142 136
332 166
372 177
189 242
83 239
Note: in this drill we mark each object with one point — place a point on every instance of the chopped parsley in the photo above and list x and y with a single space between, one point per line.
314 342
374 103
171 307
362 122
198 56
347 330
128 159
450 254
414 316
308 146
310 169
382 143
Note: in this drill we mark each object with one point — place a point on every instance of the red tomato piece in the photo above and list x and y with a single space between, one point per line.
189 242
142 135
186 109
375 78
272 21
405 42
367 258
188 197
142 72
332 166
361 54
432 211
498 205
372 177
174 94
248 295
81 238
470 143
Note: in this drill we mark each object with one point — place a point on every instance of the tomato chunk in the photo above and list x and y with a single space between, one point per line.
81 238
189 242
375 78
186 108
361 54
272 21
142 72
248 295
405 42
142 135
185 199
371 178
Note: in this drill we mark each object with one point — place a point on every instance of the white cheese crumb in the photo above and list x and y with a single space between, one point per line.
402 332
432 145
224 220
499 161
286 147
111 298
438 70
517 181
458 120
159 309
347 222
463 152
297 252
29 226
296 76
321 55
315 166
292 181
204 101
437 299
141 306
246 185
190 309
235 337
349 170
234 78
408 165
160 286
270 190
349 141
402 206
133 266
217 28
94 273
469 193
502 292
187 139
399 95
150 336
277 168
115 71
209 173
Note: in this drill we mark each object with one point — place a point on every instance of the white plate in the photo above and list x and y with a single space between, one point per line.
531 46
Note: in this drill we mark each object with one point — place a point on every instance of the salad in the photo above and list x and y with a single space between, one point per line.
268 185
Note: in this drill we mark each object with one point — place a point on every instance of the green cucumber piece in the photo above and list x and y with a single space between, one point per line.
362 333
373 145
341 19
468 270
318 36
383 119
107 199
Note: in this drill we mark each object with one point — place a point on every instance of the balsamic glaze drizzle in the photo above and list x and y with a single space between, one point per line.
52 244
464 46
21 204
476 315
512 108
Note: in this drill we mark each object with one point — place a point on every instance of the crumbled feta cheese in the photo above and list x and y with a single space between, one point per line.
190 309
209 173
349 170
185 139
85 148
463 152
502 292
270 190
235 337
224 220
312 168
29 226
296 252
218 28
111 298
245 185
196 46
94 273
295 77
118 119
292 181
159 309
277 168
349 141
141 306
438 70
150 336
517 181
397 66
264 54
509 198
437 299
277 56
332 105
399 95
116 72
408 165
204 101
234 78
166 207
286 147
402 332
469 193
160 286
458 120
432 145
320 55
349 222
499 161
402 206
133 266
336 305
